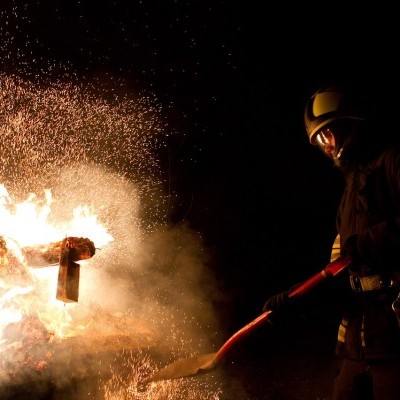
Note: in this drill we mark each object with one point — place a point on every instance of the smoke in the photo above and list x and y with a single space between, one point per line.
152 283
94 140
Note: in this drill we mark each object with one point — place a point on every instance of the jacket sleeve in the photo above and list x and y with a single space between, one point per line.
380 243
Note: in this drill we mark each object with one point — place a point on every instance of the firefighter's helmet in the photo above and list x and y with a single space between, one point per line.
328 105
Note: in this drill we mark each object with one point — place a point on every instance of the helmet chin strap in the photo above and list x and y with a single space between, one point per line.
337 156
339 160
346 139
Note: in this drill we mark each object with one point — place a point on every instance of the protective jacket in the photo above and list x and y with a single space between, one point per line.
369 213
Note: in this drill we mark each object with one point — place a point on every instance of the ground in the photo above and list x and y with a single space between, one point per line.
295 365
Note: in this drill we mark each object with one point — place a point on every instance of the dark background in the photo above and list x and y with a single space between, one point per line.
233 78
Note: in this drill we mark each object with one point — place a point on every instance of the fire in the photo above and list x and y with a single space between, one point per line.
28 222
8 314
30 291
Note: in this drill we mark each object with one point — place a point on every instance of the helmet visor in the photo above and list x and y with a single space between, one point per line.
325 139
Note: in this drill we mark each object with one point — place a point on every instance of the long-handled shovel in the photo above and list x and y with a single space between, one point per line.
207 362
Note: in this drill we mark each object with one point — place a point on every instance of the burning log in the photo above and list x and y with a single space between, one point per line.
49 254
65 253
72 249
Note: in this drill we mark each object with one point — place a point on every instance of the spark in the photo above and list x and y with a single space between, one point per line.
95 144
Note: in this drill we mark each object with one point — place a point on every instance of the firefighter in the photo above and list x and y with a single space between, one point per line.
368 228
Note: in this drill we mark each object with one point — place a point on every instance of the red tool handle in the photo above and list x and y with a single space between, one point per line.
241 333
331 270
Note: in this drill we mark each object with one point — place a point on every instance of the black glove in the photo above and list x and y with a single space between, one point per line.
281 306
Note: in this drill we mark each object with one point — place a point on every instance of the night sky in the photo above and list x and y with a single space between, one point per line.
233 80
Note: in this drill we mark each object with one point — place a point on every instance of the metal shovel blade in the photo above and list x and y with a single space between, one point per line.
186 367
206 362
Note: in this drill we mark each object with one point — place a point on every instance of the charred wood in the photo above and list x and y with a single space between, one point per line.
50 254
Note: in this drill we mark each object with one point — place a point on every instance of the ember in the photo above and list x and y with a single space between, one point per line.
25 344
139 365
97 154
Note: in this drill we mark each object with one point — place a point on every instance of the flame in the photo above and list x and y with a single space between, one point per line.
31 291
27 223
9 314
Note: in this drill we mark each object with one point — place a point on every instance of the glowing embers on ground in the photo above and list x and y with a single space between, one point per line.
126 383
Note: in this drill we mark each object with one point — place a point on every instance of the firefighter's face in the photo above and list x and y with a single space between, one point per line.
327 142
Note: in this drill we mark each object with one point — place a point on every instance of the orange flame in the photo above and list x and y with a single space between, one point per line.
28 224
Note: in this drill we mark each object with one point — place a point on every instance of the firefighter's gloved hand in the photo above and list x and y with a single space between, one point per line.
281 306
